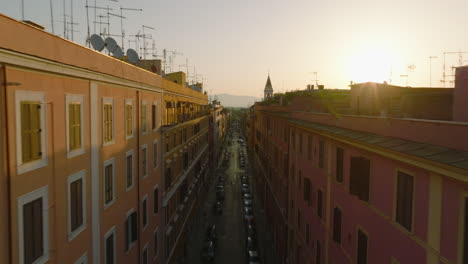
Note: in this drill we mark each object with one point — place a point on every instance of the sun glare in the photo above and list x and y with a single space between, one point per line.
371 65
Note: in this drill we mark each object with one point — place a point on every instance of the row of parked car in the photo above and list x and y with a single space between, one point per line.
241 158
210 244
249 221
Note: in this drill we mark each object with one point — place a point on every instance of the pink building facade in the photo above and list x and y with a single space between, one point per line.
362 189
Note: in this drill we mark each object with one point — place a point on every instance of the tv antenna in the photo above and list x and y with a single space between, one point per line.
109 14
144 37
121 21
173 54
460 63
316 78
186 65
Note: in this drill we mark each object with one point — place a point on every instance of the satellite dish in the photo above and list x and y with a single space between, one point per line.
97 42
132 56
111 44
118 53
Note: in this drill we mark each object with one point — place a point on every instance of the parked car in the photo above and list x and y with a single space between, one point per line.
208 251
248 203
211 233
245 189
244 180
251 244
251 231
248 211
253 257
248 196
218 208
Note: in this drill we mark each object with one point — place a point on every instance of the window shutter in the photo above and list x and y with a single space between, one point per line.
26 132
77 125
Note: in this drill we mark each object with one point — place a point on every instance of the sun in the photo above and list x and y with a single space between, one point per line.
371 64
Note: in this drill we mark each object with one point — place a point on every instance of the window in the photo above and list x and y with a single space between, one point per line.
109 257
307 190
108 118
299 219
128 118
131 231
307 234
404 203
83 259
75 131
156 200
309 147
33 227
145 255
154 115
155 154
144 120
167 178
144 163
318 253
31 131
129 169
337 225
144 209
339 164
109 191
293 140
76 204
359 177
299 178
155 244
319 203
361 248
321 154
300 143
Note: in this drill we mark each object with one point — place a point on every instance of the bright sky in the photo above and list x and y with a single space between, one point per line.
234 44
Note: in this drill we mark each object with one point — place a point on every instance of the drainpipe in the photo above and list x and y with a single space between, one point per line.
6 160
138 135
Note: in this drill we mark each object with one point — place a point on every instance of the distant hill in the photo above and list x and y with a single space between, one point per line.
229 100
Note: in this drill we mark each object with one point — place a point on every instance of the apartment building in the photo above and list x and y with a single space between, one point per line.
219 122
185 157
82 143
349 187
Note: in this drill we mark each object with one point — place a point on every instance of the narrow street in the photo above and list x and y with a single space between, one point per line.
231 245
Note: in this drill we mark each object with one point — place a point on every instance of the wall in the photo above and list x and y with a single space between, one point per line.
461 93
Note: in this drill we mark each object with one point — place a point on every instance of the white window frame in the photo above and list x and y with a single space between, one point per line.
144 132
130 153
129 102
107 162
21 96
145 198
72 98
144 147
39 193
156 119
83 259
72 178
154 189
108 100
155 232
110 232
145 248
155 155
130 246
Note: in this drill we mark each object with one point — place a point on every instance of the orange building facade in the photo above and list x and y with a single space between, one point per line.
82 151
